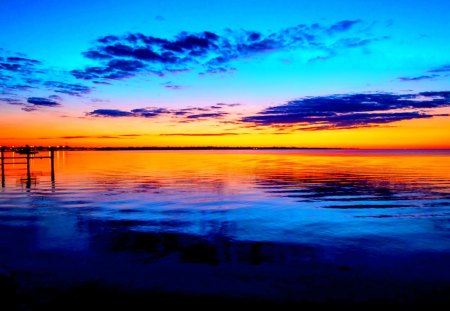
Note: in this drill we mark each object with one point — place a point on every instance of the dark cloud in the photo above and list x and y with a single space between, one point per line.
68 88
101 82
113 70
4 77
29 108
357 120
207 52
109 113
444 68
342 26
418 78
20 87
93 136
40 101
200 134
21 60
211 70
435 73
353 43
19 75
11 101
9 67
348 111
55 97
141 112
150 112
18 64
16 74
169 85
207 115
189 114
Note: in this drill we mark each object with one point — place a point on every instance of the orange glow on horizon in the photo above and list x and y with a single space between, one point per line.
430 133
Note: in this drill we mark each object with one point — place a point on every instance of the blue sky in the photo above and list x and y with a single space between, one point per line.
358 47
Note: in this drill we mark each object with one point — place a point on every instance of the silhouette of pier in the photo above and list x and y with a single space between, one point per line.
28 153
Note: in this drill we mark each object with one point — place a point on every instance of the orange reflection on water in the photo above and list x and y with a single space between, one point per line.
240 169
374 216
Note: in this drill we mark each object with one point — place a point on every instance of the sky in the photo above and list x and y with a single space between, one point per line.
351 74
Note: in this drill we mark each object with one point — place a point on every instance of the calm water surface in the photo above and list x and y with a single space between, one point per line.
287 224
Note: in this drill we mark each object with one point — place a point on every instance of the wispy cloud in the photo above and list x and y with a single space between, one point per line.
20 76
120 57
432 74
94 136
350 110
169 85
444 68
68 88
113 113
11 101
206 115
418 78
188 114
39 101
34 103
17 73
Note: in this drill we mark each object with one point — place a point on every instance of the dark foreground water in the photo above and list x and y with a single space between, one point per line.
208 227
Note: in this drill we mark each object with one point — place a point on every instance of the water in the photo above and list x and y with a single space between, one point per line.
281 225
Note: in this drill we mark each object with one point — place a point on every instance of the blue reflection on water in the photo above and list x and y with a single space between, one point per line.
385 217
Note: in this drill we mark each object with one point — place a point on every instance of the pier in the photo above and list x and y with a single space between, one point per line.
27 154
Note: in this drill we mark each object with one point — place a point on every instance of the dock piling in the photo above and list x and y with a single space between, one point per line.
3 166
28 152
28 170
52 164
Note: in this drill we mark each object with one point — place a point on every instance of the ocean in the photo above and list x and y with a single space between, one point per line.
276 226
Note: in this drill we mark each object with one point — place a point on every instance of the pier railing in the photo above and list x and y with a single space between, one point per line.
28 154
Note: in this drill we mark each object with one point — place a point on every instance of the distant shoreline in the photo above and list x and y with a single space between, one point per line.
203 148
68 148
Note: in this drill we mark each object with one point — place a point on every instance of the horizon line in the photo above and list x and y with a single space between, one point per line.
64 147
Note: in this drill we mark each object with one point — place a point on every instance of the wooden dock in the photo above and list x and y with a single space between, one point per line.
28 154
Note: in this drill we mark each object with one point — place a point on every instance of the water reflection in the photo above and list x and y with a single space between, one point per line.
215 249
295 223
353 191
